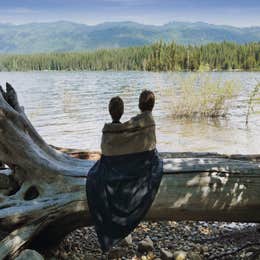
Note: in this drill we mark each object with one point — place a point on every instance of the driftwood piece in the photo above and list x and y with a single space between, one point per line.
43 191
204 186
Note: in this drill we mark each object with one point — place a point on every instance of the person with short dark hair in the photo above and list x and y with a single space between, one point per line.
146 100
116 109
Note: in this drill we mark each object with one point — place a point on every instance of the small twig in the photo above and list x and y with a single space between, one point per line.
234 251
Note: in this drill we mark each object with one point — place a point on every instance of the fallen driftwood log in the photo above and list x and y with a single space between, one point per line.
42 192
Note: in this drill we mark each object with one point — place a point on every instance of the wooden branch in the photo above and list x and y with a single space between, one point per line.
42 193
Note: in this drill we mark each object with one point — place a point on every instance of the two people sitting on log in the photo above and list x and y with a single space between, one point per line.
122 185
136 134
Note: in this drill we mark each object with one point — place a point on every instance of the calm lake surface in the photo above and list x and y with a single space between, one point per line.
69 109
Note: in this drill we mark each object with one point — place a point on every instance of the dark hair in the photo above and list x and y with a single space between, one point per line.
116 108
146 100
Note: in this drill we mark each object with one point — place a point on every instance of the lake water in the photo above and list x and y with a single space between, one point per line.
69 109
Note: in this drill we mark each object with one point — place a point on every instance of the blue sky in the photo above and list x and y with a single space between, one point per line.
238 13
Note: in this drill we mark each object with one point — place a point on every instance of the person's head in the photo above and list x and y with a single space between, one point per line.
116 108
146 100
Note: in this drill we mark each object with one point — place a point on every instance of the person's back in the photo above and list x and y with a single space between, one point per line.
134 136
145 118
122 185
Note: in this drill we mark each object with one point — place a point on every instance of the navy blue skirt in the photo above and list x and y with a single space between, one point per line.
120 190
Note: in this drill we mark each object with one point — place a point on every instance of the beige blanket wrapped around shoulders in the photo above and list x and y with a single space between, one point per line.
134 136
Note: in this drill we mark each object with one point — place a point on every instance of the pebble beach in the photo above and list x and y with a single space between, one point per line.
167 240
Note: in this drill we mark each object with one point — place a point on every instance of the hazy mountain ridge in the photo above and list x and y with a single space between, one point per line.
68 36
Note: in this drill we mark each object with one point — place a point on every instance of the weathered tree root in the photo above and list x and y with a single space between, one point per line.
42 193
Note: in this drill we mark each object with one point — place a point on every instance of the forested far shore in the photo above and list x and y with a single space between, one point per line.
156 57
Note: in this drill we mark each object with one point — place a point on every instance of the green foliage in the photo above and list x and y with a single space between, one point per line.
204 68
253 98
156 57
201 97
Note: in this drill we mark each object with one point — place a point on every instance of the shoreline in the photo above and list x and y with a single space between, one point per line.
148 71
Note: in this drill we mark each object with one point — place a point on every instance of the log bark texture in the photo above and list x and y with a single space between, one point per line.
42 192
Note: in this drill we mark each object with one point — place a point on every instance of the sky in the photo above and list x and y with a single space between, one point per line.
241 13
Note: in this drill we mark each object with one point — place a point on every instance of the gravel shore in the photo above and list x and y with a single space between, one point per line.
168 240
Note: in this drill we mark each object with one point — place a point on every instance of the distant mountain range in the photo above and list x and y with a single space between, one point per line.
67 36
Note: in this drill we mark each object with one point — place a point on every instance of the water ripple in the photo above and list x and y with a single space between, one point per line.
69 109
